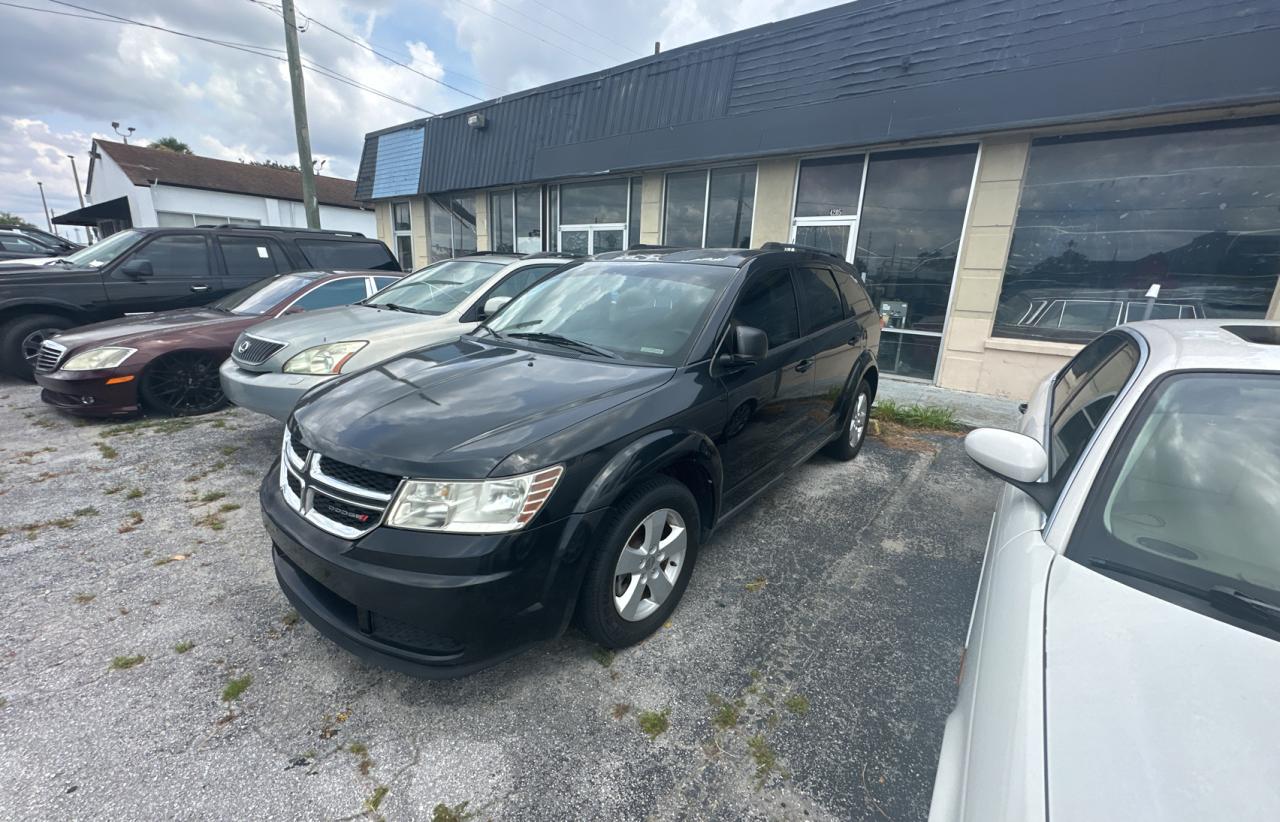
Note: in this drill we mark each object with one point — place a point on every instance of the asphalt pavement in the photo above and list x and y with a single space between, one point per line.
150 668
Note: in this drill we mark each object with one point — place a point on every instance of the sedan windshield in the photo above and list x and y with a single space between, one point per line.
262 296
1192 505
104 251
436 289
641 311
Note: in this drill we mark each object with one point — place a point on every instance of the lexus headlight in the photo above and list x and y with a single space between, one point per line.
324 359
485 507
96 358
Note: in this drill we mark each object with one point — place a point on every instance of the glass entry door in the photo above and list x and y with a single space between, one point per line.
828 234
586 240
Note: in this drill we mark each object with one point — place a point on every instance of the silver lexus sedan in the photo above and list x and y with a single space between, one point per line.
1123 658
274 363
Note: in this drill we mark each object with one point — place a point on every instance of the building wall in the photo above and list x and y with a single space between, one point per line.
775 194
651 208
420 232
266 210
482 220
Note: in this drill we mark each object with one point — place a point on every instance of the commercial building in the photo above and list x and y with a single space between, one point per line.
140 186
1009 177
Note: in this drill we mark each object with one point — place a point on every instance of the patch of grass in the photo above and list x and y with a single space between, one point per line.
798 704
228 506
236 687
115 489
604 656
290 619
620 709
765 757
213 522
923 417
212 496
726 713
89 511
654 723
228 450
107 451
122 663
375 799
756 585
130 524
134 493
451 813
358 748
83 599
171 558
183 646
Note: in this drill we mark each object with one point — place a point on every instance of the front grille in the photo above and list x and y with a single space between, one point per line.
360 477
252 350
50 356
394 632
298 448
294 485
352 516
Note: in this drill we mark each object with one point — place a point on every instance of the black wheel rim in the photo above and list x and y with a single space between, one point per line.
32 342
185 384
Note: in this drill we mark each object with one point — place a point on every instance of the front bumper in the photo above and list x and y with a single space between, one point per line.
432 605
86 393
266 392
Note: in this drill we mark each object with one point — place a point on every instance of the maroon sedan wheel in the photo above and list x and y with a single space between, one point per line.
182 384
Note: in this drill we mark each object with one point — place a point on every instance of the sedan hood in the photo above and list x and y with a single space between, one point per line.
1155 711
152 327
347 322
456 410
27 262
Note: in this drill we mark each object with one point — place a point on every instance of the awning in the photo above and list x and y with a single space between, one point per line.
117 209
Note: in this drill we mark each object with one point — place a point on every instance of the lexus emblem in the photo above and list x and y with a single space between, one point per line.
242 347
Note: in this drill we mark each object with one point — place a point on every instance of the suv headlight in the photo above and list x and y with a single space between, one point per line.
96 358
486 507
323 359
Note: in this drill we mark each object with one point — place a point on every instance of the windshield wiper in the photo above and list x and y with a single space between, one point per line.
396 307
563 341
1228 600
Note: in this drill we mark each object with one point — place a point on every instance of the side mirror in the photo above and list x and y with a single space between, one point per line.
749 346
137 268
492 306
1015 458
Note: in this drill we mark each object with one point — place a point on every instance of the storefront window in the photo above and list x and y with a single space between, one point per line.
633 213
502 221
601 201
402 233
710 209
453 226
528 216
1161 223
829 186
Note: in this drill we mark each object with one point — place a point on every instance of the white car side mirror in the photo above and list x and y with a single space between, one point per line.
493 305
1014 457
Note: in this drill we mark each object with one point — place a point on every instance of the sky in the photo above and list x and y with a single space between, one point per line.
67 78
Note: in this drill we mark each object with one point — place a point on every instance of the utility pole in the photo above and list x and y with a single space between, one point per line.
45 204
300 115
76 175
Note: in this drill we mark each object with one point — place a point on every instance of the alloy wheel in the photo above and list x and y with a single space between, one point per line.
650 564
185 383
32 342
858 419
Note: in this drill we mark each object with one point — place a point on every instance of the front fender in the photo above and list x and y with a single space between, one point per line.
651 454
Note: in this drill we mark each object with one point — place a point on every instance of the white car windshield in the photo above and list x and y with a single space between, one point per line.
262 295
104 251
436 289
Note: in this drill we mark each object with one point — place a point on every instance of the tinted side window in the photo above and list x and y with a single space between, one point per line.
521 280
348 254
249 257
10 243
769 303
382 282
1083 397
855 296
822 305
176 255
338 292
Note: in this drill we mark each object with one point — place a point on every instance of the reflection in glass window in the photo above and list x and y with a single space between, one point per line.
400 216
833 238
829 186
502 235
684 211
1103 218
730 206
441 245
599 201
633 215
769 304
909 232
453 226
528 220
553 217
463 208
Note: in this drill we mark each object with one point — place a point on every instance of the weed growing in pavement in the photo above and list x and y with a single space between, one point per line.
83 599
375 799
228 450
134 493
121 663
654 723
107 451
726 713
454 813
290 619
227 507
765 757
604 656
213 522
212 496
756 585
236 687
115 489
924 417
798 704
183 646
130 524
620 709
90 511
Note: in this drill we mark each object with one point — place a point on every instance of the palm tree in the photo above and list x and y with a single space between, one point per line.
171 144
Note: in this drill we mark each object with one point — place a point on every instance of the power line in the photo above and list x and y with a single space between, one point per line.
260 51
587 28
509 24
569 37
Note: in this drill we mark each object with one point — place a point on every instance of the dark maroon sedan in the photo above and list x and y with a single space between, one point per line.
167 363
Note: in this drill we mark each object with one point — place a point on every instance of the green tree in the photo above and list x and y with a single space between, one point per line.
171 144
12 219
274 164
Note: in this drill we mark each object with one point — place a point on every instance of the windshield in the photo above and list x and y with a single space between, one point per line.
1195 500
103 252
644 311
437 289
261 296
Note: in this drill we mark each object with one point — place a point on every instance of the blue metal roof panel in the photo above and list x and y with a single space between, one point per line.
398 164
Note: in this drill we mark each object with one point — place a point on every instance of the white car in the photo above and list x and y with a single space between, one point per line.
1123 657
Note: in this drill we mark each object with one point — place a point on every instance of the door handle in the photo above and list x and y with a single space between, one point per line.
804 365
855 340
199 288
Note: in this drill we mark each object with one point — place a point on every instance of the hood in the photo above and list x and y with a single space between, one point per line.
1155 711
28 262
41 275
348 322
454 411
204 322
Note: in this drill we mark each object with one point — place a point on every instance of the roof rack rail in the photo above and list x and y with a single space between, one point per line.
486 253
556 254
794 247
281 228
647 247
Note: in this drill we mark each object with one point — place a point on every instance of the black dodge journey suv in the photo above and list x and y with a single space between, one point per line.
448 507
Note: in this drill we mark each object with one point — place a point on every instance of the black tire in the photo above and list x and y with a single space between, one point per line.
597 614
20 339
849 441
182 384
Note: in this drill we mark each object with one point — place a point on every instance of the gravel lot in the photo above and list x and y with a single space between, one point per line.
806 675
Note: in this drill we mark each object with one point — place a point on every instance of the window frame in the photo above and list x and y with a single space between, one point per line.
789 271
278 256
555 227
805 312
706 196
319 286
211 268
514 191
397 233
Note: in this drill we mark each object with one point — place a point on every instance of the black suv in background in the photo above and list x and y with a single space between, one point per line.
450 506
155 269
